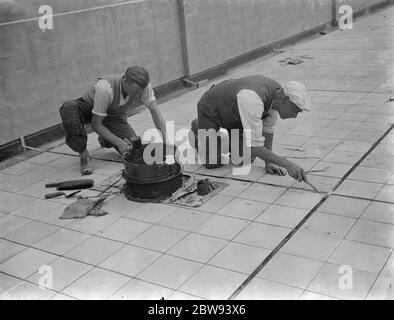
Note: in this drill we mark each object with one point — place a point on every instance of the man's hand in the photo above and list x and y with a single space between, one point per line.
123 146
296 172
274 169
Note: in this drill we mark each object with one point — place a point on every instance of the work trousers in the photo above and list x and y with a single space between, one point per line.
208 118
76 114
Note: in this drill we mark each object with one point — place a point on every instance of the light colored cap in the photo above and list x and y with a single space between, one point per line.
298 94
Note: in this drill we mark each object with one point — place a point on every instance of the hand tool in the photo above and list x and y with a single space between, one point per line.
318 170
72 184
314 188
58 194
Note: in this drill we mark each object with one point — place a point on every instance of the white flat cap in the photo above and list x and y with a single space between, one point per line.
298 94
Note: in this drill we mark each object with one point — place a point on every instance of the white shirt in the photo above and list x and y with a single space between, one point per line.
251 109
104 96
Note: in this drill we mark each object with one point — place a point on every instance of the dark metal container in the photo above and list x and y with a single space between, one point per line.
151 181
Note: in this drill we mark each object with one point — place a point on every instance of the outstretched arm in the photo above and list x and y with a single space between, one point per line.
268 156
158 118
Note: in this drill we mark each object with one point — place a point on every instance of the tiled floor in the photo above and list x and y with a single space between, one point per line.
336 244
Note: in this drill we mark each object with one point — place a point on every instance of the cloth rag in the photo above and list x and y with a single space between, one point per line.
84 207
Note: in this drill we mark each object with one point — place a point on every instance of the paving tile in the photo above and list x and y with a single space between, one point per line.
262 235
308 295
239 257
213 283
380 212
44 158
299 199
282 216
382 288
28 291
97 284
9 249
370 175
323 184
21 168
335 170
150 212
243 209
234 188
214 204
7 282
371 232
253 173
343 157
329 224
60 296
386 194
222 227
159 238
120 206
184 219
31 233
366 136
64 272
141 290
359 189
197 247
360 256
124 229
264 193
11 201
26 262
170 271
94 250
35 209
130 260
330 282
92 224
10 223
183 296
53 217
344 206
261 289
16 183
353 146
61 241
291 270
334 133
311 245
284 181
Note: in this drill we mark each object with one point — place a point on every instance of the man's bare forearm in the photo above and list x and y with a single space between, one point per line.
103 132
269 157
158 119
268 142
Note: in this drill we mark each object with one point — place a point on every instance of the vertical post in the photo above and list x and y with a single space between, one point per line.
182 25
334 13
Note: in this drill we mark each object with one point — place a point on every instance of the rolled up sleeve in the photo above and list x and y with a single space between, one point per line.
102 98
251 108
269 122
148 96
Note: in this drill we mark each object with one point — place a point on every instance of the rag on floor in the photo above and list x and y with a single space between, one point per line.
84 207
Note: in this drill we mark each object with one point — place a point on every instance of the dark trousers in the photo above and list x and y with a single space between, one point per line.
208 118
76 114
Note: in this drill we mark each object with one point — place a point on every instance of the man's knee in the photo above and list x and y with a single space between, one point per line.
68 109
212 166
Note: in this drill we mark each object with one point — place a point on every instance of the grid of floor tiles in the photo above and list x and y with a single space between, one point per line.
150 251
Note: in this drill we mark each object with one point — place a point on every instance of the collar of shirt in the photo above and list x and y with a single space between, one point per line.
122 100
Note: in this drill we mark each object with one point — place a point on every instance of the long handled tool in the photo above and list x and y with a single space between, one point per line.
58 194
71 184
